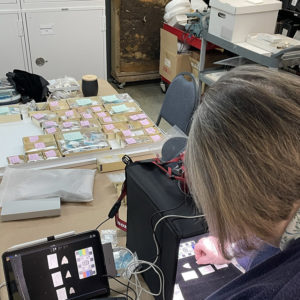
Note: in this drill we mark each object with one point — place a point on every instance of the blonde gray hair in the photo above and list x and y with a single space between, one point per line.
243 154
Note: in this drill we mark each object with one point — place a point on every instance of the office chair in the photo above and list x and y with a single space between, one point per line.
180 102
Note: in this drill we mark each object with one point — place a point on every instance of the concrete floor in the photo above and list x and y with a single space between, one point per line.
149 96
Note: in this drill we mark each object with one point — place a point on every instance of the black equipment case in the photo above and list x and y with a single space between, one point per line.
151 194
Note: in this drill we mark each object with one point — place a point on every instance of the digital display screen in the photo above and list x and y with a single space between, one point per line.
69 268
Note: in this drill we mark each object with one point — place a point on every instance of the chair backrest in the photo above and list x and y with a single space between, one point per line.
180 102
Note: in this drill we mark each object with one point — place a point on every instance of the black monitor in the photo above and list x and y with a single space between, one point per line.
68 268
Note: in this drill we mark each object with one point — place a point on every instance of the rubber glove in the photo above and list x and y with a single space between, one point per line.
207 252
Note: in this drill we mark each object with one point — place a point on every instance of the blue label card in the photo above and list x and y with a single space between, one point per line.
119 108
110 99
4 110
84 101
73 136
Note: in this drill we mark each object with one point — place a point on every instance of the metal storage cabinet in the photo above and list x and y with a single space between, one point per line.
67 42
12 47
53 38
135 38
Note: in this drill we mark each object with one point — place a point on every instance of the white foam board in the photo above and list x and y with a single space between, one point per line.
28 209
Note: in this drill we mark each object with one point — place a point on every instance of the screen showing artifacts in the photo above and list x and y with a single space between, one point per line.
71 268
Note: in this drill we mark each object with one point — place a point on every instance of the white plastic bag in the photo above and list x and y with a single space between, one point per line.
71 185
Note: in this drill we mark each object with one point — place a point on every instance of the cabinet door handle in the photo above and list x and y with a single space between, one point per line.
221 15
40 61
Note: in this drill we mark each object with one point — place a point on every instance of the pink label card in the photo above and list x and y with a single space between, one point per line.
134 117
39 145
142 116
130 141
34 157
69 113
96 108
51 130
144 122
85 123
107 119
151 130
39 116
109 127
102 114
155 138
87 116
50 153
67 124
53 103
14 159
50 124
127 132
33 139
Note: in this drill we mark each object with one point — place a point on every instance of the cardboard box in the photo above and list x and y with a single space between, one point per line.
195 66
120 118
132 133
138 140
83 102
110 163
90 124
51 154
91 109
123 108
70 125
66 115
112 129
42 106
33 144
234 20
211 57
40 117
116 98
83 140
10 113
56 105
171 63
16 159
34 157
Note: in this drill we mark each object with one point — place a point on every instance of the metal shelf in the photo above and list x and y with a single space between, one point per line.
264 60
211 76
285 57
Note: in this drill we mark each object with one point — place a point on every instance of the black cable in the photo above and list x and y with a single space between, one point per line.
102 223
135 295
121 293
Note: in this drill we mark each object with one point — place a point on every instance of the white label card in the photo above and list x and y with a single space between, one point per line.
218 267
57 279
52 261
206 270
189 275
61 294
177 293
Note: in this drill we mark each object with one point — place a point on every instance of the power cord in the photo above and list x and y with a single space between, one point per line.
102 223
131 268
166 217
135 295
161 212
121 293
3 284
